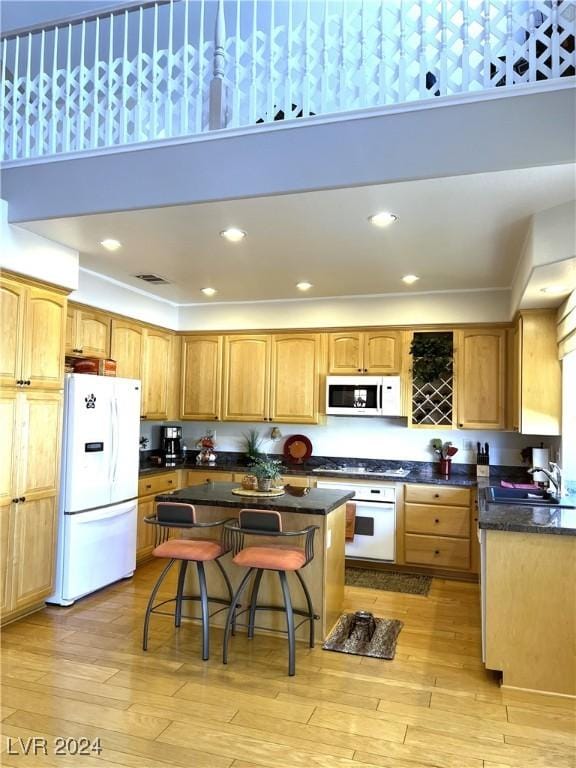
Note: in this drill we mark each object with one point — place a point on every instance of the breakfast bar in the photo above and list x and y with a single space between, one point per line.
299 508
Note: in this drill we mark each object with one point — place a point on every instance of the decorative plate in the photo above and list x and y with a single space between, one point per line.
297 449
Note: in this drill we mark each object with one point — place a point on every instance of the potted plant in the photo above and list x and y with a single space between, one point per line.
266 470
252 444
432 356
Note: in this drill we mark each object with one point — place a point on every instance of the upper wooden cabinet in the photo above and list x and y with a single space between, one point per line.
535 396
272 378
158 373
87 333
33 325
371 352
480 377
201 377
295 378
127 348
247 378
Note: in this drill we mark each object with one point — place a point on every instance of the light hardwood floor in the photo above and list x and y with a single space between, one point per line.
80 672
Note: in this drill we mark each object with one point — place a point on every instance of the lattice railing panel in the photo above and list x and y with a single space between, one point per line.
146 72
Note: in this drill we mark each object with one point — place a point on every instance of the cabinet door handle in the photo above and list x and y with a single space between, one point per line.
436 551
365 370
359 370
436 495
460 425
20 381
15 501
436 520
148 487
27 382
22 498
170 482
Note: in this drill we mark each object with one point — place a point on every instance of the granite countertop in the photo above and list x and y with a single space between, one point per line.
559 520
462 475
318 501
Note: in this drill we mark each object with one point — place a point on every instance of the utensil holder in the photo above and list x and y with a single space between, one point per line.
445 466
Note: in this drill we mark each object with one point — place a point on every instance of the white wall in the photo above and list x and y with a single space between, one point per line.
412 309
29 254
370 438
105 293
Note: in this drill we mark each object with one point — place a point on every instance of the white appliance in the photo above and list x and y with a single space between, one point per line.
363 396
98 485
375 524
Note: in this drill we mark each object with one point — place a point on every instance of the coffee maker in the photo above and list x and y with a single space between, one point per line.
170 445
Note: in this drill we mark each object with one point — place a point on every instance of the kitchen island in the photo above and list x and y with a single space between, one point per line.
324 575
528 579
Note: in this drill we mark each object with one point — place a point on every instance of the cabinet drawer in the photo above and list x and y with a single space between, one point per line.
167 481
199 476
437 494
438 551
437 520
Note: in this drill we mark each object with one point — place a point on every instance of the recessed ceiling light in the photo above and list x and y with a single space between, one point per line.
555 290
233 234
111 244
409 279
209 291
383 219
304 286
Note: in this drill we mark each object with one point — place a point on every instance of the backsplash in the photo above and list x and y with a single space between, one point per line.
361 438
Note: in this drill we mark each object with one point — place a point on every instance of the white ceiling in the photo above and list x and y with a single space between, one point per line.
458 233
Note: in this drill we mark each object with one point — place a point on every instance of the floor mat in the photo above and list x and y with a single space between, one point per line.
390 581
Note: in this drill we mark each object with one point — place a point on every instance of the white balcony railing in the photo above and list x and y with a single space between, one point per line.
180 67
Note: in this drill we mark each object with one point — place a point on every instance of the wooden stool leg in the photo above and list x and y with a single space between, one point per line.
205 612
179 593
150 605
310 607
289 623
253 601
232 612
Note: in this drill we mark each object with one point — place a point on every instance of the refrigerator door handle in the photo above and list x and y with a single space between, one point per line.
380 388
98 514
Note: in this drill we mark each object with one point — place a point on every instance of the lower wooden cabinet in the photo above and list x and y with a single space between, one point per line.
200 476
35 524
438 521
149 486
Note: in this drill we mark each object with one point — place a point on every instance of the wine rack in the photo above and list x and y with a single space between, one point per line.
433 401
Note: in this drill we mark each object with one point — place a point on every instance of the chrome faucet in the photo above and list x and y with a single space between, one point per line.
555 476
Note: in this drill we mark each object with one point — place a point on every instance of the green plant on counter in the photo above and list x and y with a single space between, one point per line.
253 443
266 468
432 355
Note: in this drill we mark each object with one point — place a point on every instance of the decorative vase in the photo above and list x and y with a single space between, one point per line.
445 465
249 483
264 483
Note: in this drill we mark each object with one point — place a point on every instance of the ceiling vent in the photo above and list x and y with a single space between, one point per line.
156 279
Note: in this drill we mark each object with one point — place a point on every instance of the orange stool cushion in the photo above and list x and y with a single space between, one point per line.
189 549
273 558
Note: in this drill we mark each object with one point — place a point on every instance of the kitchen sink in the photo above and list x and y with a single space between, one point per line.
498 495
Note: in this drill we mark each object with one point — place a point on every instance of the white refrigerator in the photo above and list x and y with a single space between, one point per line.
98 485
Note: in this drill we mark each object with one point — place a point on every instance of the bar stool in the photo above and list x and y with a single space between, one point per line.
269 557
181 516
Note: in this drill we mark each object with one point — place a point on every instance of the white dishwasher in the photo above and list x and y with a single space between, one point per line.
375 523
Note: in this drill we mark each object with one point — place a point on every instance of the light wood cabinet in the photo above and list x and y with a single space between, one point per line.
201 476
87 332
149 486
32 421
272 378
295 378
33 325
372 352
437 522
247 378
201 378
34 548
480 377
159 373
127 348
535 395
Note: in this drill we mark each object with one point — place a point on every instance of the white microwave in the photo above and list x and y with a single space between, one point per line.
363 396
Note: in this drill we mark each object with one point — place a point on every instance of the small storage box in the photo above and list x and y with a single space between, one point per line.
95 366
